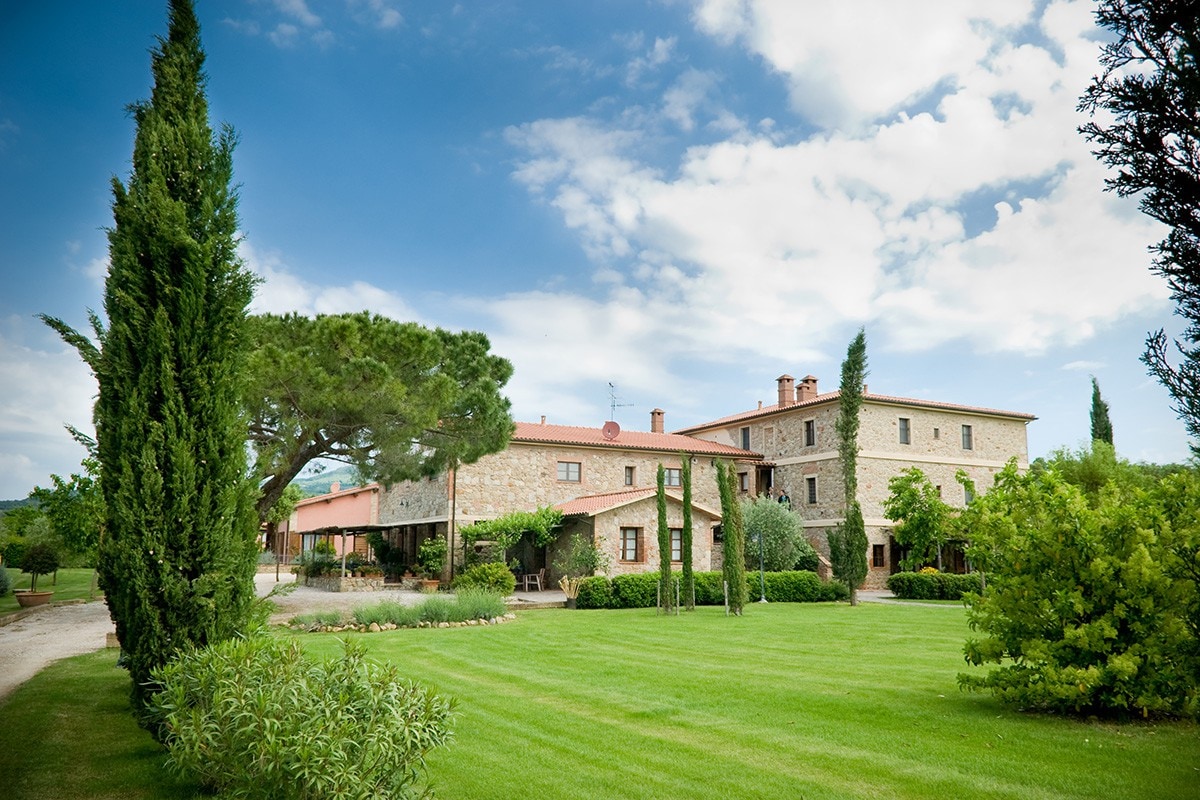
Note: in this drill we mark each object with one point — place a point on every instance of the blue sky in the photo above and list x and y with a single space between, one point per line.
684 198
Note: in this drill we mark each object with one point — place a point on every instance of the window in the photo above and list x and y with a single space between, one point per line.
939 490
672 478
905 436
744 481
629 476
810 433
937 433
677 544
568 471
968 441
812 490
746 438
877 556
631 544
968 495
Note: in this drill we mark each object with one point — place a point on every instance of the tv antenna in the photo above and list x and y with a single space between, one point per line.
613 405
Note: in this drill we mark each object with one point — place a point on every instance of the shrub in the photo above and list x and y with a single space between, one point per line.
806 557
438 608
492 577
635 591
595 592
39 559
5 582
638 591
318 619
478 603
431 557
14 551
933 585
266 558
793 587
253 718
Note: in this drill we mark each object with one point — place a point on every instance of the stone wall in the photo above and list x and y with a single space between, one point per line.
332 583
525 477
424 499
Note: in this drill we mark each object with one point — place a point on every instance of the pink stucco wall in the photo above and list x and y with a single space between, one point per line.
359 506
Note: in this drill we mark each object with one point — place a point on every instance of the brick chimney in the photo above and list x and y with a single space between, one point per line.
785 383
656 421
807 389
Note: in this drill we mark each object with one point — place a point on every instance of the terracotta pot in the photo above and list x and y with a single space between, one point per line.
429 586
27 599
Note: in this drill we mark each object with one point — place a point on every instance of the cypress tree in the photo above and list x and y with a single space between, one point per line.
1102 429
664 545
689 581
848 541
177 565
734 567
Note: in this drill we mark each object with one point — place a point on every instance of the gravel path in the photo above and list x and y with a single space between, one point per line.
57 631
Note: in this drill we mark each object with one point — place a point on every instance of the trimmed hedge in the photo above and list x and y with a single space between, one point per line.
639 591
933 586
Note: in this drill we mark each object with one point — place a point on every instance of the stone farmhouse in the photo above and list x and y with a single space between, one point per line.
603 479
799 445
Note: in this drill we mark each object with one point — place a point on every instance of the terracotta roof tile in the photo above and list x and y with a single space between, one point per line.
625 440
592 504
829 397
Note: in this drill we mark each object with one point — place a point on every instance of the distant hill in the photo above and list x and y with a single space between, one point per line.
8 505
313 485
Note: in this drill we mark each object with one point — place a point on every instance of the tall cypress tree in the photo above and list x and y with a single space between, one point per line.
848 541
689 581
664 545
1102 429
734 567
177 566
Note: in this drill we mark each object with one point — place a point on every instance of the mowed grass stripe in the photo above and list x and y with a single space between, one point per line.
811 708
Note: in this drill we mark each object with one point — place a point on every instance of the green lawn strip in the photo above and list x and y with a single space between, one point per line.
822 701
68 733
813 701
72 584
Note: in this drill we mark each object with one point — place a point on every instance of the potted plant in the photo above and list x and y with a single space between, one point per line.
431 558
40 559
578 560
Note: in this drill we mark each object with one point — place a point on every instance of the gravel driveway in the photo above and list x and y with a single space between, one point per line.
58 631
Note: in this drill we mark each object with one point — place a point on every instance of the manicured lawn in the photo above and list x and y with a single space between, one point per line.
812 701
72 584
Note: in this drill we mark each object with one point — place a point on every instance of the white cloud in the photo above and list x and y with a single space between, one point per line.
845 73
1083 366
281 291
974 219
299 10
46 387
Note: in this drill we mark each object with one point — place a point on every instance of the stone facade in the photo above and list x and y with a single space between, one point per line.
790 447
525 476
800 441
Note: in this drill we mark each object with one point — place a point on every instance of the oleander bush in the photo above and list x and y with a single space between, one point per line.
492 577
255 718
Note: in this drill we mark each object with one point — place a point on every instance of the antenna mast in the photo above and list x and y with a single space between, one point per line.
613 405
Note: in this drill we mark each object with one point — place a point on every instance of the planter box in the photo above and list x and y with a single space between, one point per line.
28 599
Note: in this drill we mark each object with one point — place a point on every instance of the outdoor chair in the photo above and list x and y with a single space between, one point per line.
535 579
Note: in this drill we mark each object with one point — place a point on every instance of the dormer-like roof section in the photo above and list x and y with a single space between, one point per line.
832 397
592 504
535 433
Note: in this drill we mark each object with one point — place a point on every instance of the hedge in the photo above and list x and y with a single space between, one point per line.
933 586
640 590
